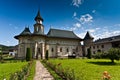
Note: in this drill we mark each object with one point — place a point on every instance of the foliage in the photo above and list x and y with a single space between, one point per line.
46 55
89 53
22 74
1 55
28 55
114 54
99 55
8 68
84 67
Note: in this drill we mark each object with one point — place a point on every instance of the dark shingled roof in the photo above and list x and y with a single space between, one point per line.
109 39
88 36
25 32
38 16
62 34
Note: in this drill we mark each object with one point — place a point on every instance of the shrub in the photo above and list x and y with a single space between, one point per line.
89 53
99 55
22 74
46 55
28 55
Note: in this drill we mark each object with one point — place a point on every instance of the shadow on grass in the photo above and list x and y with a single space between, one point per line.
104 63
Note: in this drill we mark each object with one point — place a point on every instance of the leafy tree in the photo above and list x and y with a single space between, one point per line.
89 55
113 54
28 55
46 55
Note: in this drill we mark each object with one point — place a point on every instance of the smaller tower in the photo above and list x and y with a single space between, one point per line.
88 41
38 26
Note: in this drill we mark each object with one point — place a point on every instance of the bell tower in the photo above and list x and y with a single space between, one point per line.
38 26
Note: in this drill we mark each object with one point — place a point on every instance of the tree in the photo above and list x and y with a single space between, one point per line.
46 55
1 57
113 54
28 55
89 55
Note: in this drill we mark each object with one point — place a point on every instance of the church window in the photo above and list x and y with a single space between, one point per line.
93 47
67 50
98 50
102 46
52 50
97 46
61 49
93 52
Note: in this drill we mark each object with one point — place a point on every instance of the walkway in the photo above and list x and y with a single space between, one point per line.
41 72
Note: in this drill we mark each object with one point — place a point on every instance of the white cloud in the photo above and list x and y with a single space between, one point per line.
77 2
91 30
81 35
86 18
117 25
93 11
74 14
100 32
76 26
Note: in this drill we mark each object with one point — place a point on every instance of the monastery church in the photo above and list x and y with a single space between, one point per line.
59 43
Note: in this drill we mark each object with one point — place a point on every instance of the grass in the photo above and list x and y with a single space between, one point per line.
7 68
56 77
32 71
90 69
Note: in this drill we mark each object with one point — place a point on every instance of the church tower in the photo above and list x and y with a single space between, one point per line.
88 41
38 26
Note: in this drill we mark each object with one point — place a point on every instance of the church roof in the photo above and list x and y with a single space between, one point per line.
38 16
88 36
109 39
25 32
62 34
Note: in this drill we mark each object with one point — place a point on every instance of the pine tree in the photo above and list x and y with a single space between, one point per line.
28 55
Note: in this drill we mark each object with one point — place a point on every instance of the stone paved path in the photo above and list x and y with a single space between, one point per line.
41 72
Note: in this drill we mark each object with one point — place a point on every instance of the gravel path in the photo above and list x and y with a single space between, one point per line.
41 72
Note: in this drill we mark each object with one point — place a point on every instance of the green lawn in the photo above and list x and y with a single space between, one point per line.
90 69
7 68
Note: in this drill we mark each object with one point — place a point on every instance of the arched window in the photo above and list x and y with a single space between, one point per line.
52 50
67 50
61 49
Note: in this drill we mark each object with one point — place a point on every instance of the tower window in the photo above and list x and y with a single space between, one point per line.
37 29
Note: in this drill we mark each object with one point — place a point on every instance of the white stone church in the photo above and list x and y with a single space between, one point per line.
59 43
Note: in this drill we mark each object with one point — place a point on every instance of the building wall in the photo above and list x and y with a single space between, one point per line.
102 47
63 47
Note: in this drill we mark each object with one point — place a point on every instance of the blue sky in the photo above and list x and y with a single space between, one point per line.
100 17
